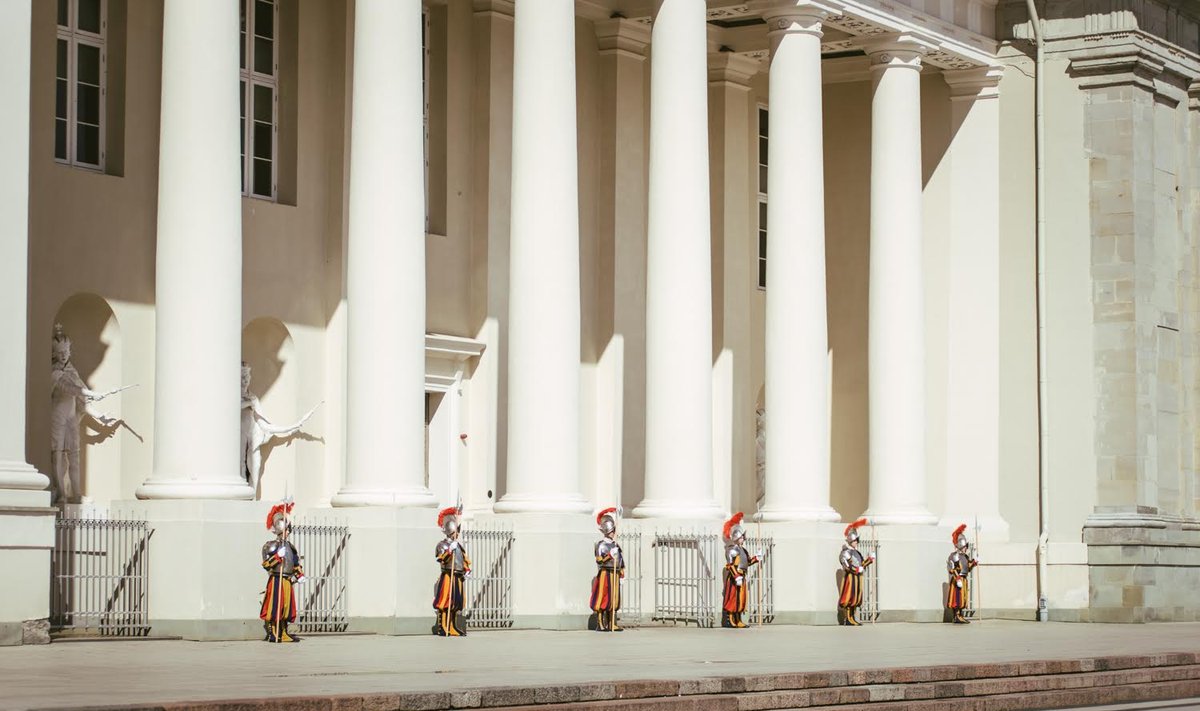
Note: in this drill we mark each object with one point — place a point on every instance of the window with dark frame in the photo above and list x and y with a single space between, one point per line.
259 84
762 196
80 83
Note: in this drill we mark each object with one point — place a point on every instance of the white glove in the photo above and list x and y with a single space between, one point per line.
861 569
622 581
453 545
301 580
738 581
612 552
958 583
759 554
976 560
281 553
467 574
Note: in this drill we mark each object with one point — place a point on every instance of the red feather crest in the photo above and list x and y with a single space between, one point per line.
852 526
954 536
733 521
451 511
276 509
610 509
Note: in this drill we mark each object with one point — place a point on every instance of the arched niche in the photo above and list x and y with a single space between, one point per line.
268 349
88 320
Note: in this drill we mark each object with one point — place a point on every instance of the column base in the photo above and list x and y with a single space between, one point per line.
234 490
543 503
21 475
406 498
671 509
905 516
775 513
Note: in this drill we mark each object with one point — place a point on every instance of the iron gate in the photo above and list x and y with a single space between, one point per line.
630 614
322 598
869 610
760 608
99 576
686 570
489 587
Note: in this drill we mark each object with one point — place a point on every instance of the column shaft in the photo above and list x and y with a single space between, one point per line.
679 271
797 351
896 304
15 471
385 271
543 307
198 268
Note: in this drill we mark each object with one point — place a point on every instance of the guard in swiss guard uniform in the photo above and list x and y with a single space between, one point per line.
281 560
854 564
449 594
606 586
960 564
737 563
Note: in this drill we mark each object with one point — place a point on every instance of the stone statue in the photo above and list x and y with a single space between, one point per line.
70 402
257 430
760 454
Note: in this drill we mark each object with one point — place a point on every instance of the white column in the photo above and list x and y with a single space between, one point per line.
797 344
385 263
678 270
543 306
198 269
973 363
15 472
896 304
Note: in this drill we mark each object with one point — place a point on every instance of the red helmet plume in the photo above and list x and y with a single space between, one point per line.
954 536
854 525
450 511
733 521
282 508
609 510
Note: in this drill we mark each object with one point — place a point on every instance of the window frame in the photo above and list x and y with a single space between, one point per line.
73 36
762 235
248 79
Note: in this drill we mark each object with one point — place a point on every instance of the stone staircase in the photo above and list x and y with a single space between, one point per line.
1009 686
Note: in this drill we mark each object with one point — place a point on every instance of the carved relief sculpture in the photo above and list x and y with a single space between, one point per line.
257 430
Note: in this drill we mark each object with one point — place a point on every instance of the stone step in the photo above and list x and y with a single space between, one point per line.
1008 686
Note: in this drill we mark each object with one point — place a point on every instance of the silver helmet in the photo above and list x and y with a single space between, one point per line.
279 519
448 520
851 531
606 520
733 531
960 538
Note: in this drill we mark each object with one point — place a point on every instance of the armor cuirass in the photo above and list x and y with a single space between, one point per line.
291 558
957 563
851 559
616 562
455 563
736 552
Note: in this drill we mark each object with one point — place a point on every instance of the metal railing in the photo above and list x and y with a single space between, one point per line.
99 576
630 614
322 599
687 570
971 612
489 596
760 579
869 610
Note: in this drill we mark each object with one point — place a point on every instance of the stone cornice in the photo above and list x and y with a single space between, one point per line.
501 8
974 84
896 49
622 36
732 68
1129 58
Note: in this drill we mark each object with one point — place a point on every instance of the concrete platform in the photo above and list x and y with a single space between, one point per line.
497 668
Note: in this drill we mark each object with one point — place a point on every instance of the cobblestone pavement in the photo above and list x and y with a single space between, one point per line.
161 671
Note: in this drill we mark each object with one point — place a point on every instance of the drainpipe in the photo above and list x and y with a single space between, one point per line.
1039 134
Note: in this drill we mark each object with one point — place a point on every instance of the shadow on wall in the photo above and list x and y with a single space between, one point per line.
95 334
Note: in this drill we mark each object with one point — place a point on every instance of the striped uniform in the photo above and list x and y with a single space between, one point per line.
606 586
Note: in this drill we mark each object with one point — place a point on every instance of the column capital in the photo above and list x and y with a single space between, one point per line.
785 17
502 8
623 36
732 68
896 49
974 84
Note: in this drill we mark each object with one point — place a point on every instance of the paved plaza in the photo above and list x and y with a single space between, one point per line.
72 674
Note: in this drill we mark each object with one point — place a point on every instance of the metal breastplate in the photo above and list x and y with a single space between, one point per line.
614 563
956 564
851 559
291 558
455 563
737 553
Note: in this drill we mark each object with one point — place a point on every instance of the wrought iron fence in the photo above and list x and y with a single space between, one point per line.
489 588
760 581
687 569
971 611
322 599
99 576
869 610
630 614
